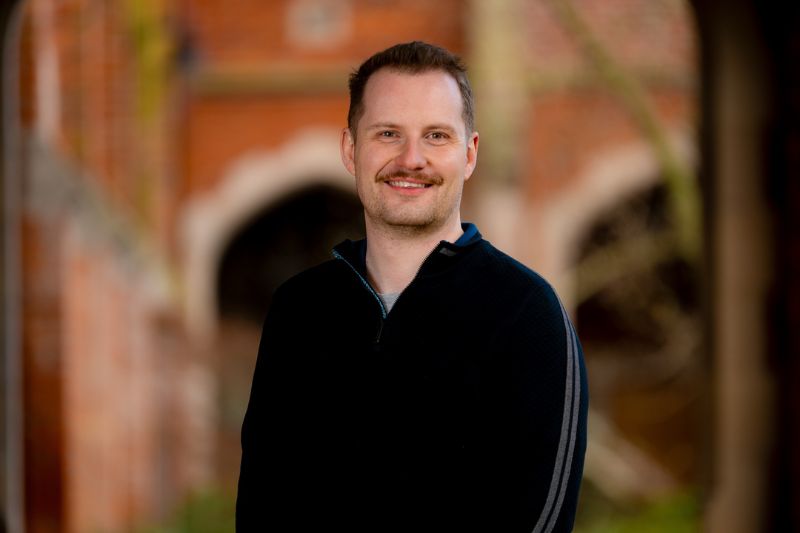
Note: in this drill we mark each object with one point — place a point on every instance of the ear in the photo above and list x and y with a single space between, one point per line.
347 147
472 154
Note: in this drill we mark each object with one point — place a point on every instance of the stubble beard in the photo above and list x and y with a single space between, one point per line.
409 220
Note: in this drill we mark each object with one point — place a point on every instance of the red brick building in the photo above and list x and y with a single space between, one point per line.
161 142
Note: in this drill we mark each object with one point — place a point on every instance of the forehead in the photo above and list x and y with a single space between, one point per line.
403 97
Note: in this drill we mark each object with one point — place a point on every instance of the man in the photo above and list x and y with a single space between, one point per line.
421 380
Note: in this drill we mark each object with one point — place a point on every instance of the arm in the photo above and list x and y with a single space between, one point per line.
258 476
550 402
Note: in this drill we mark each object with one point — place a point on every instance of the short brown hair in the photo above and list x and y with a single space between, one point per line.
414 58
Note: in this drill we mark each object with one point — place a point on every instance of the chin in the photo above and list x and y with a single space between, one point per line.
412 218
406 221
410 222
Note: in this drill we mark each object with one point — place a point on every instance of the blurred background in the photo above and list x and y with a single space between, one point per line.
168 163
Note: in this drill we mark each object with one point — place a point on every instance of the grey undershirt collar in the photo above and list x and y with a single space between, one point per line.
389 299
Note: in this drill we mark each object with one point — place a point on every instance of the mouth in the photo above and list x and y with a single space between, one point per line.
410 182
405 184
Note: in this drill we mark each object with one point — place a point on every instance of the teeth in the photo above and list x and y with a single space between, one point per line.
407 184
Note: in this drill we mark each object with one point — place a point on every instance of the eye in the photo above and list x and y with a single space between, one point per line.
438 136
387 134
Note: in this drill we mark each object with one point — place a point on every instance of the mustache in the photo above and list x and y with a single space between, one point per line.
420 176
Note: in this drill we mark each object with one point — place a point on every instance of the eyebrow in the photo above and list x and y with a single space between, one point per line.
393 126
382 125
445 127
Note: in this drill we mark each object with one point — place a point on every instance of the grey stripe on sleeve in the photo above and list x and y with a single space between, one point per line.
566 442
575 406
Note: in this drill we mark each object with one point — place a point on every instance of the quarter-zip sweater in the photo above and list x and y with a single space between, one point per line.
464 409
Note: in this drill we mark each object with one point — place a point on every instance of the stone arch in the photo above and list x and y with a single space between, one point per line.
612 177
251 183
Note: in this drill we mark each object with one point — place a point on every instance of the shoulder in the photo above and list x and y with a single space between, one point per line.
312 280
534 324
521 302
501 272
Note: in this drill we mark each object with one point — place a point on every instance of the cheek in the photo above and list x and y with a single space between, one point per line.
365 161
456 165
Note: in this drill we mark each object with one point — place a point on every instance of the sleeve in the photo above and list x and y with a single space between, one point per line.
549 404
260 478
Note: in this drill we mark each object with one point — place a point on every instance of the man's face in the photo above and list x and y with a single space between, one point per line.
411 155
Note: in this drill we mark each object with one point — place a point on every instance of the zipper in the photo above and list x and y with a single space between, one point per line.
384 312
366 284
435 249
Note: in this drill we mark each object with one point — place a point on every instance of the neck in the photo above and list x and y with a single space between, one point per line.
394 255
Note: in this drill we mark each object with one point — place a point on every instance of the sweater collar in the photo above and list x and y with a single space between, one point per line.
355 252
470 234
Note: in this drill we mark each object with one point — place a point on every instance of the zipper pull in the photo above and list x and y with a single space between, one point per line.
380 331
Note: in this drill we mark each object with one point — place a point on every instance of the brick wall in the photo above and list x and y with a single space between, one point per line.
108 368
252 87
569 128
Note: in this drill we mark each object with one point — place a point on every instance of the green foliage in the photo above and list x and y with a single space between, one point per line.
678 513
213 512
152 47
207 512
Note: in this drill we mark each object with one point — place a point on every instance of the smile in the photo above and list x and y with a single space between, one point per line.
408 184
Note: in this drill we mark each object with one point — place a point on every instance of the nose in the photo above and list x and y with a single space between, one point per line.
411 156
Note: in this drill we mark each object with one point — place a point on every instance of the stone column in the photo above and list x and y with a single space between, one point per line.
495 35
11 420
750 118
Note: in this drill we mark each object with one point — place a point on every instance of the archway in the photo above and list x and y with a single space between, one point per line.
567 219
286 237
256 180
638 315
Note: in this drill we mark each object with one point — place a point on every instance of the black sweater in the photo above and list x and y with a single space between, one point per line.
464 409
